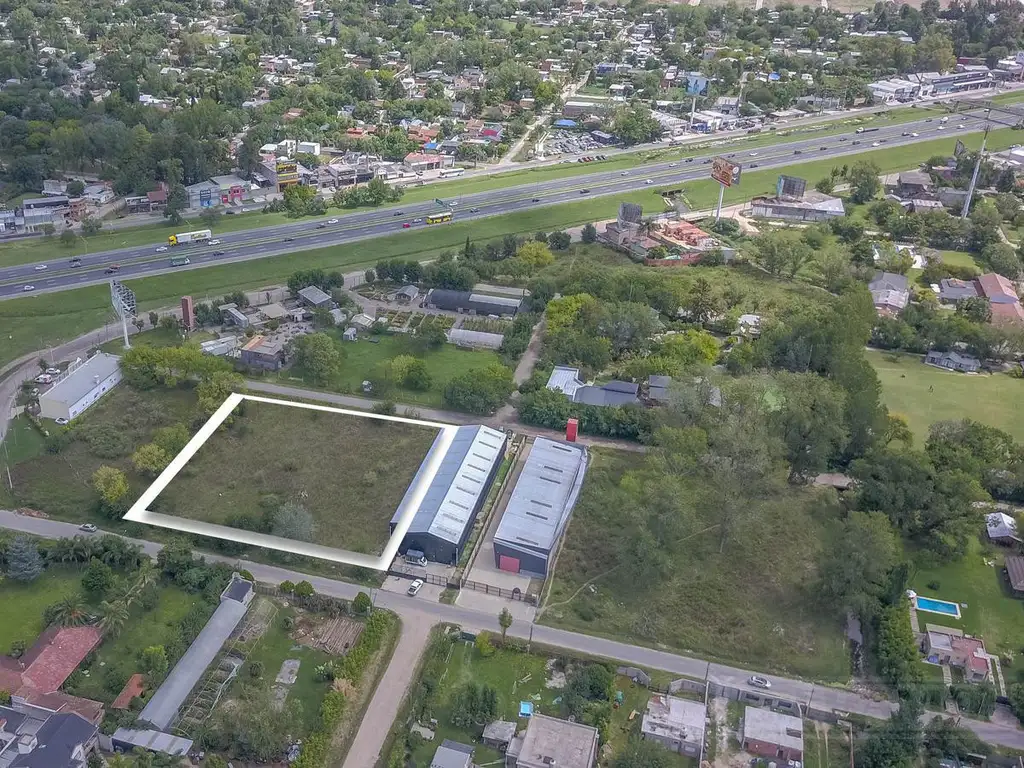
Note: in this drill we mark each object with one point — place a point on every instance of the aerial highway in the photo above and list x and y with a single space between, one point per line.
58 274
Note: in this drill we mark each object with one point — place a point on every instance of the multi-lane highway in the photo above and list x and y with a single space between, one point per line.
287 238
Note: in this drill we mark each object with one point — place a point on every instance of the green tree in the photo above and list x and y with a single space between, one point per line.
535 255
559 241
504 621
98 578
68 238
318 356
91 226
484 646
895 649
977 309
293 521
172 439
1003 259
863 180
24 563
150 459
934 52
113 617
154 661
111 484
479 392
855 561
895 743
213 390
811 422
589 233
69 611
361 604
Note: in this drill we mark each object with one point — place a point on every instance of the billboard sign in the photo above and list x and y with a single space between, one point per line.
725 172
959 149
790 186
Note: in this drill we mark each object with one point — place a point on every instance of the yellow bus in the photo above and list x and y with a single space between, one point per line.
439 218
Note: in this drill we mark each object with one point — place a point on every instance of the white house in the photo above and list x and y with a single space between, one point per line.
79 389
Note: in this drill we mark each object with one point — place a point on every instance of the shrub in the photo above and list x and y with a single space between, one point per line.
287 587
256 670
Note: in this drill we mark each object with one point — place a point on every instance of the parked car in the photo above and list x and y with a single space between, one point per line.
759 682
52 371
415 587
88 528
60 421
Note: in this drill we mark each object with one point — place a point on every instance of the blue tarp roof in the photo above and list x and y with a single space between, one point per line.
565 123
430 145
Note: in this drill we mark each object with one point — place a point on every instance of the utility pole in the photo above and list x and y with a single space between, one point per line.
974 176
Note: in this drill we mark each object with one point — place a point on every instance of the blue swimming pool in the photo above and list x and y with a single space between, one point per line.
931 605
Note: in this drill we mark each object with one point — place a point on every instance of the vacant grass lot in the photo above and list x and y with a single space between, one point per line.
979 582
364 358
924 395
117 658
22 441
155 337
108 433
21 605
752 608
349 472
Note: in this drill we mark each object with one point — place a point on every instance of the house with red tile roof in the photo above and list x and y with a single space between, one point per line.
947 645
1002 298
35 678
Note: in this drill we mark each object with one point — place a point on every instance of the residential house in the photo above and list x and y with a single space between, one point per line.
658 388
263 353
1002 297
552 742
452 754
952 290
914 184
1002 528
677 724
947 645
889 293
772 734
35 740
953 361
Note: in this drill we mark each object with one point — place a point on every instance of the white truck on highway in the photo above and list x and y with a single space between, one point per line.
186 238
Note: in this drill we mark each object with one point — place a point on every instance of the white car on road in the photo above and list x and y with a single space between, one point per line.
88 528
215 242
161 249
415 587
28 288
40 267
759 682
332 221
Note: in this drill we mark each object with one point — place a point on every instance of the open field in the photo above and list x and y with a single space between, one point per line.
155 337
365 358
991 612
22 441
825 746
751 609
117 658
21 605
108 433
958 259
350 472
924 395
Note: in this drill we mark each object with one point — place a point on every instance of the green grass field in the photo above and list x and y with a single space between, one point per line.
751 608
825 746
155 337
977 580
924 395
349 472
21 605
117 658
22 441
958 259
364 358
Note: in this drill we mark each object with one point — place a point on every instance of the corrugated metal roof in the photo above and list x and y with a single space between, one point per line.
84 379
543 497
565 379
460 480
475 338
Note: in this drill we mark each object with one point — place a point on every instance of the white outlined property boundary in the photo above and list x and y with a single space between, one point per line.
140 512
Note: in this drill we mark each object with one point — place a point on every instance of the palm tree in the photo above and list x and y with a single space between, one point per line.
81 550
113 618
70 611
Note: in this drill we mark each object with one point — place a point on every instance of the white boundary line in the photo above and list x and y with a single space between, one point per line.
140 512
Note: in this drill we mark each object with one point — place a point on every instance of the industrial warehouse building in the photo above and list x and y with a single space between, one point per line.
539 507
444 519
80 387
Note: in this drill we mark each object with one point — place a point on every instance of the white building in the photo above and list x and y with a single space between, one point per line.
77 390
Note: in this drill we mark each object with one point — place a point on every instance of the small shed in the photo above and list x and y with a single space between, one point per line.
350 334
407 293
498 734
314 296
1014 566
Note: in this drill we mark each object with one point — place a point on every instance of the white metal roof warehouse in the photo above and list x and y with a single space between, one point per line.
445 518
539 508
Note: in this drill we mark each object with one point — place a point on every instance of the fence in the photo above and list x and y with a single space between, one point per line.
316 602
636 675
455 583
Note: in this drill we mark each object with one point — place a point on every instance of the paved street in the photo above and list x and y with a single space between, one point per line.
821 697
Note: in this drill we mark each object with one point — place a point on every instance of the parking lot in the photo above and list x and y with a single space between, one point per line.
559 142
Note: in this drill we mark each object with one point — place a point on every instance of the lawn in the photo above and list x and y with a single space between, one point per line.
350 472
825 746
976 581
21 443
752 609
118 658
108 433
21 605
958 259
275 647
363 360
924 395
155 337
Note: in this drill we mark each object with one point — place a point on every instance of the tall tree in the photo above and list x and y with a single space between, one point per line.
24 562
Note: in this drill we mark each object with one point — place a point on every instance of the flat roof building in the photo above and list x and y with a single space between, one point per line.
538 509
813 207
471 303
772 734
552 742
81 387
677 724
445 517
162 708
314 297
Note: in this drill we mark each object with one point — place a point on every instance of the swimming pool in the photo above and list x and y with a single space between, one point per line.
931 605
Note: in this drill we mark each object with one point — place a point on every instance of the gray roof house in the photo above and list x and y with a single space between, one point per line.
62 740
952 290
612 393
677 724
452 754
163 706
953 361
657 388
889 292
472 303
1001 528
315 297
552 742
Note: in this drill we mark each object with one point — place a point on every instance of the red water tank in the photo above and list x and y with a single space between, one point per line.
572 428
